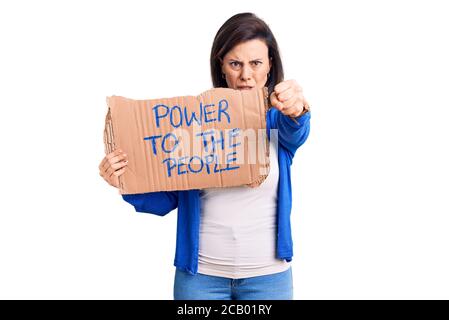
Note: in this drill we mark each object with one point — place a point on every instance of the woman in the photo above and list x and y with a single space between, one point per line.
236 243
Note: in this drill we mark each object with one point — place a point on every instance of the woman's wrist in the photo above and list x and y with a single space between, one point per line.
305 109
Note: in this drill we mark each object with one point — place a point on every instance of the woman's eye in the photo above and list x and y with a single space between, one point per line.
234 63
257 62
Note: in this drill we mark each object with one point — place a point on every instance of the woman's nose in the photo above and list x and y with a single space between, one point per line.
246 74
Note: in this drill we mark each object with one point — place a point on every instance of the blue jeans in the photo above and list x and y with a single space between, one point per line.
277 286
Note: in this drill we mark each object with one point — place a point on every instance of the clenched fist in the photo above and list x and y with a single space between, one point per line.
288 98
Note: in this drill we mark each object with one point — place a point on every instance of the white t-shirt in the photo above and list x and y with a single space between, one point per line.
238 229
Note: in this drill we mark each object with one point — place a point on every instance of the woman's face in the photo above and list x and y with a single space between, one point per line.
247 65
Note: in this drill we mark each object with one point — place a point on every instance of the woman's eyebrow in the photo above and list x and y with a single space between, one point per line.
237 60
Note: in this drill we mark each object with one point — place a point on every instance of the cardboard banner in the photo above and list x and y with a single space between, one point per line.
215 139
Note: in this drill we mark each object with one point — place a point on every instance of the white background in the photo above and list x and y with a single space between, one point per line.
370 213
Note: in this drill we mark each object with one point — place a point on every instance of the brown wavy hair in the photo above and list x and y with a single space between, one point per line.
237 29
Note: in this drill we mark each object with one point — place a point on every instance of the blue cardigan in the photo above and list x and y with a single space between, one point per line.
291 136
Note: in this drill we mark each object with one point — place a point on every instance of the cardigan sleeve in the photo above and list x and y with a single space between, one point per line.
158 203
291 135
